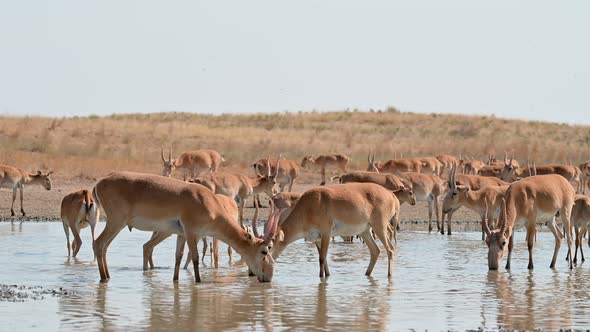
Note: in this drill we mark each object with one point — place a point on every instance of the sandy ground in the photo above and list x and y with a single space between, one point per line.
43 205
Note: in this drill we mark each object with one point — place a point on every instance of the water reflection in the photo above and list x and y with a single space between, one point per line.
438 283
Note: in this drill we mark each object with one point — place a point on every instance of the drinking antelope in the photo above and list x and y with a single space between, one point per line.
345 210
157 237
528 200
331 161
77 212
192 162
155 203
16 178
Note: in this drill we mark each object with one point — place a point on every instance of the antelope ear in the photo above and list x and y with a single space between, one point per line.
49 173
280 237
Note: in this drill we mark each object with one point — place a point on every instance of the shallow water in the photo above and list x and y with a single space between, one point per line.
439 282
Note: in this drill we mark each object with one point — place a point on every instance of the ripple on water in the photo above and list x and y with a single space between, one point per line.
439 282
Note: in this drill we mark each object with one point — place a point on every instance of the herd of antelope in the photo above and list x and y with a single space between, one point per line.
210 203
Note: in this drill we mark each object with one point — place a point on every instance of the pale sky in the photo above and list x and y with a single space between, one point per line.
521 59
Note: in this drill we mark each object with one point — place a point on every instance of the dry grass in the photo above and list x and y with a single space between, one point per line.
90 147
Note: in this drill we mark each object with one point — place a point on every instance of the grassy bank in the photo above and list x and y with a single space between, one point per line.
90 147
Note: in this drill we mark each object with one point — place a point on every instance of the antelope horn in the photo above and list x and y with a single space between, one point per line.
255 221
534 167
484 222
278 165
272 229
268 166
504 218
169 154
506 158
452 176
162 154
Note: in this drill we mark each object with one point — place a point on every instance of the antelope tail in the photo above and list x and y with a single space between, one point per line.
88 200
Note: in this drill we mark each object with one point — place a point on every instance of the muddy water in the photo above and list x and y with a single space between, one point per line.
439 282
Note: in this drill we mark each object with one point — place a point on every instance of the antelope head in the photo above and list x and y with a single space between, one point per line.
259 257
269 180
508 172
405 195
496 240
43 179
452 200
307 160
373 166
168 163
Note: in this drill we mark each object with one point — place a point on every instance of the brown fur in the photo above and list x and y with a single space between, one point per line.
547 194
581 222
16 178
159 236
155 203
78 212
427 188
323 162
389 181
193 163
286 174
473 167
345 210
237 185
446 161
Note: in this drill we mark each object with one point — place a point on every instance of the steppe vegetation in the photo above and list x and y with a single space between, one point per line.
93 146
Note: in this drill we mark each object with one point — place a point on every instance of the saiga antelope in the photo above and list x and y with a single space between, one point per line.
511 174
431 165
426 188
473 166
155 203
16 178
331 161
148 248
389 181
581 222
341 210
528 200
485 200
474 183
446 161
403 195
395 165
78 211
286 171
584 176
238 186
192 162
